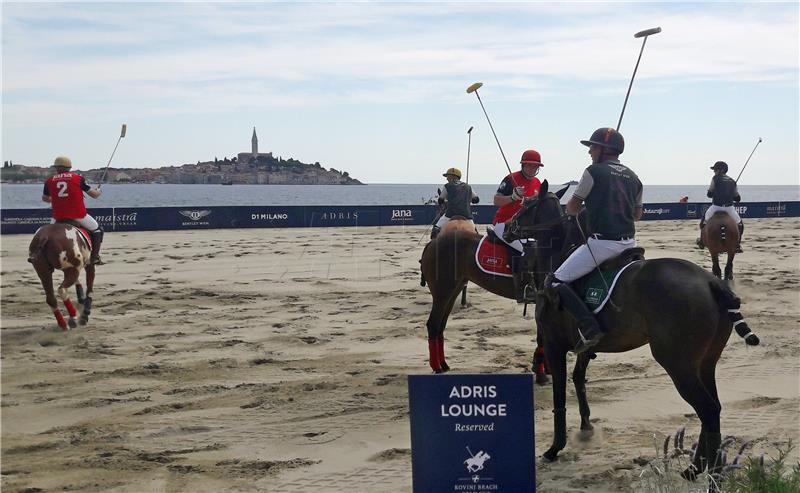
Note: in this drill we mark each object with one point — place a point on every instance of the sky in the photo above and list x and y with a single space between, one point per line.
379 89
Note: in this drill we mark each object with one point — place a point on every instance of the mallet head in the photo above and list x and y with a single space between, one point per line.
124 130
647 32
470 130
474 87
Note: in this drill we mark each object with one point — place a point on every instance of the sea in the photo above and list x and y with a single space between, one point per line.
24 196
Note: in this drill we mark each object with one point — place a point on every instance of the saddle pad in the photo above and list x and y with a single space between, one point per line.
593 287
86 236
493 258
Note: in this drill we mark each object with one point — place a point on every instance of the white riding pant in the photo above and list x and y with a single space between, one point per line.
444 220
581 262
87 222
731 210
498 229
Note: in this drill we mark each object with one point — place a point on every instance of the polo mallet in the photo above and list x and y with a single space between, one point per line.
748 160
121 135
641 34
469 142
474 88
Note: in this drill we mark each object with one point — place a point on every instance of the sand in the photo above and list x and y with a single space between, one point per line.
276 360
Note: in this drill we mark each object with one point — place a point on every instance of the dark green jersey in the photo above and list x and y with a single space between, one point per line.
723 191
612 192
458 196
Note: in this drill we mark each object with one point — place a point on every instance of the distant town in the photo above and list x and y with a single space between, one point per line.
246 168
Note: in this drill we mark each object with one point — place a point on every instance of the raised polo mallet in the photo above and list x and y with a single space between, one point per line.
748 160
641 34
474 88
121 135
469 142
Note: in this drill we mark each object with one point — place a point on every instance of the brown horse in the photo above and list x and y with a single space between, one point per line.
687 343
448 263
61 246
721 235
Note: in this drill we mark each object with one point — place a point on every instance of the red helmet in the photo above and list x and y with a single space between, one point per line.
531 157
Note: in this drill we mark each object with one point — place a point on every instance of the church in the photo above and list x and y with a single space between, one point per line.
253 155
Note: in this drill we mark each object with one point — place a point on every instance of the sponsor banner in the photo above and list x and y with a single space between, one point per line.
171 218
342 216
472 433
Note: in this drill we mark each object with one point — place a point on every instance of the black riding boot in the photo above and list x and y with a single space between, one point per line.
700 243
523 287
435 232
97 240
589 330
741 233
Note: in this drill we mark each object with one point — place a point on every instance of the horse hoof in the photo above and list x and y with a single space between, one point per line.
550 455
83 320
541 379
690 473
751 340
72 323
445 367
438 371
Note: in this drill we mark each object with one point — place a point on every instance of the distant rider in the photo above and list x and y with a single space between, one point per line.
64 191
613 196
457 197
514 189
723 194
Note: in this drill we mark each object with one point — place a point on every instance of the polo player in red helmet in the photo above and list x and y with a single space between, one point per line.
514 189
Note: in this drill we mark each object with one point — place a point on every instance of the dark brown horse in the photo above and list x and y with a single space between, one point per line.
447 263
721 235
61 246
687 343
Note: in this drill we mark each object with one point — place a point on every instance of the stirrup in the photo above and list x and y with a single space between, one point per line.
739 249
700 244
584 344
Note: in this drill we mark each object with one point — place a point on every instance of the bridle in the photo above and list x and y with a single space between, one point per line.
514 229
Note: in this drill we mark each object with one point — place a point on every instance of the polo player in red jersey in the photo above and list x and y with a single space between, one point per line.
514 189
64 191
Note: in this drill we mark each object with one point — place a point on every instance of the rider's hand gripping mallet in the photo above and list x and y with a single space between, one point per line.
121 135
474 88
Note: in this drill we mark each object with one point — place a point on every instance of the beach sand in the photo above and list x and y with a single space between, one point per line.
276 360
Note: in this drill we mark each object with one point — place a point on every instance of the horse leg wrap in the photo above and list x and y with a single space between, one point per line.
70 308
539 361
87 305
433 353
60 318
440 352
79 293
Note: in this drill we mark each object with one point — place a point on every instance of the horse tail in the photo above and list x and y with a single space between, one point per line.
722 233
731 303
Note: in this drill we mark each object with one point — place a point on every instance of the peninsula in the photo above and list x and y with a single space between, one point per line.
246 168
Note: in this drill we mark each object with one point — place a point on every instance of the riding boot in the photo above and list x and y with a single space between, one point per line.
700 243
97 240
588 329
435 232
741 233
525 291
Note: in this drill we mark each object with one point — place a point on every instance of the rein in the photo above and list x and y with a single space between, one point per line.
525 231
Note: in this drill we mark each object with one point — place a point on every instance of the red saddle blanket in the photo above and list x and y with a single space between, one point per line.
493 258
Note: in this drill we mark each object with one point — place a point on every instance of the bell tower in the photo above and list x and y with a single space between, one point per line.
254 142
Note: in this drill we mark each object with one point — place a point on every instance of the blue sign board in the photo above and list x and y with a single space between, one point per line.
221 217
472 433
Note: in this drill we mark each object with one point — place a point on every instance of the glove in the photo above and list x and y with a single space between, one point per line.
518 193
440 201
475 200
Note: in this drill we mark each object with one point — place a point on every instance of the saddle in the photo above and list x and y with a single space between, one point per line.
595 287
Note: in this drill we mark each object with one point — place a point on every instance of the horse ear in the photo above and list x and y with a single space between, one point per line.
561 192
544 187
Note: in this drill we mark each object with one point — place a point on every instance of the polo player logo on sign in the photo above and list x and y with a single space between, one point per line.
475 462
195 215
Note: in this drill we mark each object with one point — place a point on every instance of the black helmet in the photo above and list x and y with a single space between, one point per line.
606 137
720 165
